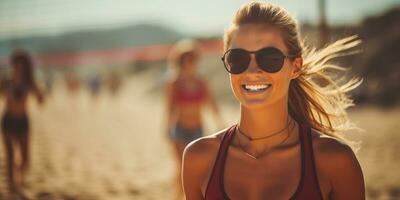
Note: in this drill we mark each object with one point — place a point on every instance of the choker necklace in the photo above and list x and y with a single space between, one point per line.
259 154
265 137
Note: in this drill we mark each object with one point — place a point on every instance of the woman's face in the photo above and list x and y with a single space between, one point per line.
253 37
188 63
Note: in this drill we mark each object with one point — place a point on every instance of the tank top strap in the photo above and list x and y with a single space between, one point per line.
309 185
215 183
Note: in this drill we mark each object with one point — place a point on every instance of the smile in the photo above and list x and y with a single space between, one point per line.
256 88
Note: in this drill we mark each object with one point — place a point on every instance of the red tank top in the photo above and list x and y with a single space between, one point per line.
308 188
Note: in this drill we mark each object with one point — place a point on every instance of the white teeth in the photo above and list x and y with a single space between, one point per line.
256 87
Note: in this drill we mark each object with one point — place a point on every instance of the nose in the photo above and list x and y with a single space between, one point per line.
253 66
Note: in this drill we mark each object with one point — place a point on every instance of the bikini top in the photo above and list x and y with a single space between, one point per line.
308 188
183 95
17 91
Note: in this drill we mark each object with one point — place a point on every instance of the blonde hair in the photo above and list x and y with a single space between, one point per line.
181 48
315 98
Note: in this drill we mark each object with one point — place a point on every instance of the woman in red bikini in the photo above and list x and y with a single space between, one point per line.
286 144
187 94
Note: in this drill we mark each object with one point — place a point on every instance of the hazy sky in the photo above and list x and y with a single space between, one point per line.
36 17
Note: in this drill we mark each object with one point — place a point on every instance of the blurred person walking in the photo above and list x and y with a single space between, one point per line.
114 83
15 120
287 143
94 84
186 95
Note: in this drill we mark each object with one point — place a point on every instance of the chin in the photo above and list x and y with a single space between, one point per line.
255 104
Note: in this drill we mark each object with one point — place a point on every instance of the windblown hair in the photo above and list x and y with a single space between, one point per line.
315 98
22 58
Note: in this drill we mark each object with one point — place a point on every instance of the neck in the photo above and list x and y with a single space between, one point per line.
264 122
16 78
187 76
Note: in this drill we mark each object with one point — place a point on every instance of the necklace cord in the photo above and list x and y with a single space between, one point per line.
268 136
259 154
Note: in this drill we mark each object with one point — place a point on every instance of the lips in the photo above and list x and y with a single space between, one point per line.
255 87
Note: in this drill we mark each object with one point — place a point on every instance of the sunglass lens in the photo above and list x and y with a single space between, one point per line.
270 59
237 60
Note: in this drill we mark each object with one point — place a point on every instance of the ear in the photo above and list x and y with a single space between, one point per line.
297 64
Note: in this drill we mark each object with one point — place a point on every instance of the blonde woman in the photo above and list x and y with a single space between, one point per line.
187 94
286 144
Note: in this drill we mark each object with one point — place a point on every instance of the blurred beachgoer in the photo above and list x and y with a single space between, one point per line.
186 95
72 83
49 82
114 82
94 84
286 144
15 121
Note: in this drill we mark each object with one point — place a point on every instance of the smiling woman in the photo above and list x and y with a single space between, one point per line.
287 143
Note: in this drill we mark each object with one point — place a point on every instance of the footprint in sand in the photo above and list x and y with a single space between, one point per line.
133 191
44 196
394 192
111 190
109 187
372 193
39 180
67 197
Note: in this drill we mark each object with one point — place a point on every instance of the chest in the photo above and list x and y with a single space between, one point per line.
274 176
17 92
277 176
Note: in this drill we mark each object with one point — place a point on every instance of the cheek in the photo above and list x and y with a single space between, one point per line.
282 79
235 83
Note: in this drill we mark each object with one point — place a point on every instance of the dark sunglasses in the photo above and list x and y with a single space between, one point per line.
269 59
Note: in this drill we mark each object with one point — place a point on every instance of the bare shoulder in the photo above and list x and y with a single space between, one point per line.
331 148
198 160
199 155
203 149
337 160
